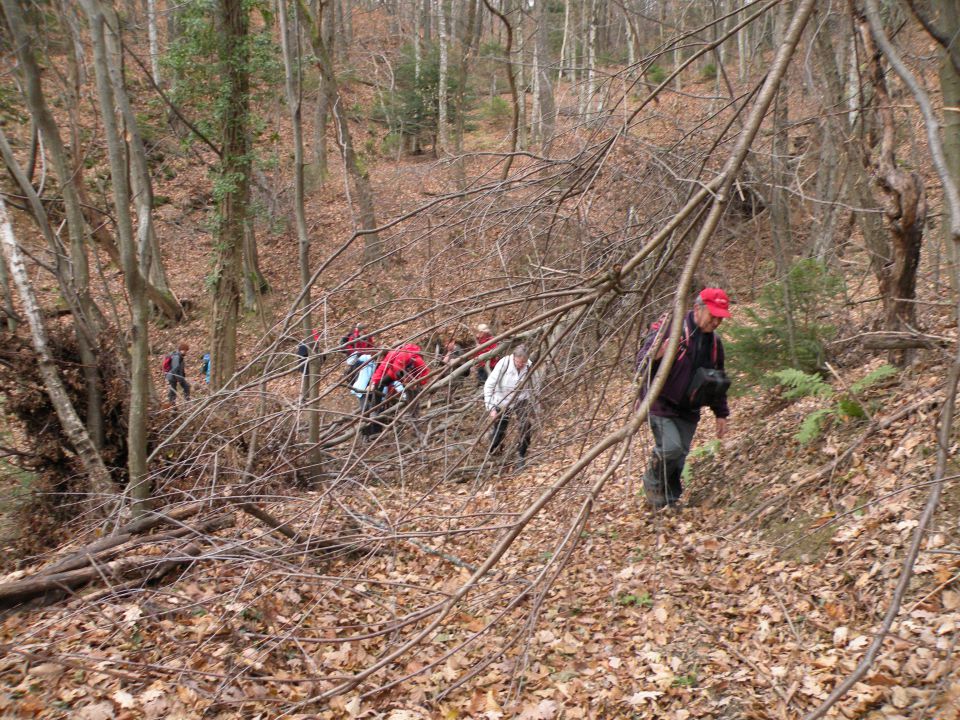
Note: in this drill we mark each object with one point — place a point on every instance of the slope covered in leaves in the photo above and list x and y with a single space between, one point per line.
669 615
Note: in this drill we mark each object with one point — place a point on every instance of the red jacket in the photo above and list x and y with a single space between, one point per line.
485 344
404 364
354 343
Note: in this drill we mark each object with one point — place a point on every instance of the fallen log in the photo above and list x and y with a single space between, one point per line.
45 588
122 535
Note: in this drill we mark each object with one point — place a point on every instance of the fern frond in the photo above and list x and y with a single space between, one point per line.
812 425
800 384
873 377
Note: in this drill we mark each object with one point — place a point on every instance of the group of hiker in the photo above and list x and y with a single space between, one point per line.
696 379
378 382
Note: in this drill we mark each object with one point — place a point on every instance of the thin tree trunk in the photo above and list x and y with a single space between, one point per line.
235 173
8 309
373 249
91 318
294 88
154 41
779 198
511 78
950 123
108 77
905 209
150 262
548 107
100 483
443 125
466 52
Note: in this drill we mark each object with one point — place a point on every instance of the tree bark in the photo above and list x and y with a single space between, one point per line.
950 88
234 180
443 125
150 262
511 78
90 316
100 483
373 248
291 64
108 78
905 209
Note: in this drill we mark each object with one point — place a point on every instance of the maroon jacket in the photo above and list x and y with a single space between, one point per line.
697 349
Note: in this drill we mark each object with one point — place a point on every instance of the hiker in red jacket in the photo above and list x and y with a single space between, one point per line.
356 342
484 344
404 365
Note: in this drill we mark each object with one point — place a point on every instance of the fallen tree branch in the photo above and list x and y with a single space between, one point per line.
49 587
124 534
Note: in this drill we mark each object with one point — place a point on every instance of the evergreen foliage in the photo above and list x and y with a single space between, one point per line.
413 109
761 345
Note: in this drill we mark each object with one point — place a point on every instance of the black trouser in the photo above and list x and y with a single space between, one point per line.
482 374
175 380
521 411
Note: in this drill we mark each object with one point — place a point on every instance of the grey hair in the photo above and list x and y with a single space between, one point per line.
698 301
521 350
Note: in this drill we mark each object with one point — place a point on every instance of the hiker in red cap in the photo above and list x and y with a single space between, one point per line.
696 380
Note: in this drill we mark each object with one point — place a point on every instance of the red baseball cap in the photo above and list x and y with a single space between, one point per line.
716 301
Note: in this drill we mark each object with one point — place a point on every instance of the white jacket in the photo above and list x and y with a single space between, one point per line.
500 389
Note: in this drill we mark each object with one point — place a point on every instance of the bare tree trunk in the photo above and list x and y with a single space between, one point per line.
466 52
545 99
325 16
100 483
373 249
779 198
294 88
150 262
443 124
108 78
949 15
905 208
8 309
80 272
154 41
511 78
235 173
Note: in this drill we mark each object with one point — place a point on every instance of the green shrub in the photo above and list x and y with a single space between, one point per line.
498 110
656 74
761 344
709 71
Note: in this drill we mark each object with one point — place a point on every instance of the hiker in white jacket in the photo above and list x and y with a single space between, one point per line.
509 393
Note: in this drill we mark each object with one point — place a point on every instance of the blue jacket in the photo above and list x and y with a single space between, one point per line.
697 349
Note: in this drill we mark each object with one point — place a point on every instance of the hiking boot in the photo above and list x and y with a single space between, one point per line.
520 464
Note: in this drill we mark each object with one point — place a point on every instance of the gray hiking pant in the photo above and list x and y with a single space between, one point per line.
175 380
661 481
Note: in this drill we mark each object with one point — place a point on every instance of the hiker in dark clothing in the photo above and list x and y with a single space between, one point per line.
484 344
177 374
691 384
452 351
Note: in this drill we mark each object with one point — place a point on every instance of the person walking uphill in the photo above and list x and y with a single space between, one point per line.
509 394
696 380
175 373
405 365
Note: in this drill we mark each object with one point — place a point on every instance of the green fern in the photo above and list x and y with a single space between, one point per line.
812 425
873 377
800 384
